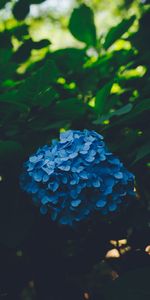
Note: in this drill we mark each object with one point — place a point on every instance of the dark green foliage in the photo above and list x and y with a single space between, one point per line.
22 8
82 25
116 32
102 96
3 3
24 51
97 86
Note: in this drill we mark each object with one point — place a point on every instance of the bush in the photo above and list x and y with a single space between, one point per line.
103 85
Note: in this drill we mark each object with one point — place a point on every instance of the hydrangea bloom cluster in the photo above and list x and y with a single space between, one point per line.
76 176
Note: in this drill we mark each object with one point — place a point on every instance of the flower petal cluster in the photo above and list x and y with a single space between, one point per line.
76 176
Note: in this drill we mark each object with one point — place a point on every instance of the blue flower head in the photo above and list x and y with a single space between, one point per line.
76 176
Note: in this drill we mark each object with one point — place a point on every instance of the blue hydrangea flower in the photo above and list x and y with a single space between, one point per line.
75 177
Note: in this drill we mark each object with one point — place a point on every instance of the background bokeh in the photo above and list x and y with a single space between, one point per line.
74 65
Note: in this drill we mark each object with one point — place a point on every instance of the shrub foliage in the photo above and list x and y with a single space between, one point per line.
102 86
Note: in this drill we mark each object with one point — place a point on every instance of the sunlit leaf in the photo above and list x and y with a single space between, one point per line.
116 32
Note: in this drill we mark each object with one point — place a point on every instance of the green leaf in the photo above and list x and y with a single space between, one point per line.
10 150
24 51
123 110
5 40
37 126
116 32
40 44
45 98
142 152
7 67
82 25
14 106
20 31
12 112
3 3
102 97
21 9
37 83
118 112
141 107
69 59
69 109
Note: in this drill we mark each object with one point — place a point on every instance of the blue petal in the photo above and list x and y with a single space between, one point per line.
64 179
30 166
33 159
92 152
73 182
112 207
75 203
45 200
118 175
41 193
45 178
109 181
66 136
101 203
96 183
73 155
55 186
84 151
74 194
62 153
65 220
102 157
51 164
54 142
114 160
77 169
43 210
64 167
83 175
78 189
89 158
49 171
53 199
54 215
86 146
38 176
34 188
108 190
